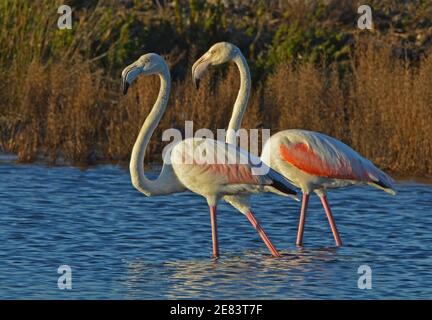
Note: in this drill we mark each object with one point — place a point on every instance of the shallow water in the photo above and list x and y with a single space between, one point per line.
123 245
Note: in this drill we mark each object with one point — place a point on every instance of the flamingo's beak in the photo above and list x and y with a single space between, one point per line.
125 86
196 83
125 83
199 68
129 74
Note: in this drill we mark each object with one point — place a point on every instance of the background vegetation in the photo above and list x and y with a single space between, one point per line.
312 68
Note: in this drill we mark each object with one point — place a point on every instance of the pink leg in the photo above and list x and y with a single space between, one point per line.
262 234
305 201
331 221
214 231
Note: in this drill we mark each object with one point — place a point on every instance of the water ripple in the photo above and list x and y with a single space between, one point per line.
123 245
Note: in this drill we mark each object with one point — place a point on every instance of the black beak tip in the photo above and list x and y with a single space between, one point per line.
125 87
196 83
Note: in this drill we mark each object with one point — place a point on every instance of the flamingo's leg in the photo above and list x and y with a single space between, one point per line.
214 231
262 234
331 220
305 201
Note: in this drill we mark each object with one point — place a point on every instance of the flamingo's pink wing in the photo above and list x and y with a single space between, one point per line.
239 171
324 163
217 162
234 173
212 160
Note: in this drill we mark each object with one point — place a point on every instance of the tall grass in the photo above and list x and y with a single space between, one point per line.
61 99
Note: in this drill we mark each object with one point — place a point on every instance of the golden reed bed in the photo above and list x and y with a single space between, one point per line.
67 104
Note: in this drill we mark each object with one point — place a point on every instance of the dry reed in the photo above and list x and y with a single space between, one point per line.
71 109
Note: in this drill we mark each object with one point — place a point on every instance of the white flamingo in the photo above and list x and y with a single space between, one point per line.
211 180
312 161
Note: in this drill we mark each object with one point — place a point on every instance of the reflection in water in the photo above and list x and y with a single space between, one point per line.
235 275
121 244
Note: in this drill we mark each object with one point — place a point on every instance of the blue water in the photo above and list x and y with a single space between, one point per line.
123 245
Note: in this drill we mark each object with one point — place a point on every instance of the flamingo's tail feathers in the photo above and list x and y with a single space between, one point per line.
382 186
281 185
275 190
383 182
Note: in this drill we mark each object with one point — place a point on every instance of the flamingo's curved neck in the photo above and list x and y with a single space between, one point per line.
242 99
136 166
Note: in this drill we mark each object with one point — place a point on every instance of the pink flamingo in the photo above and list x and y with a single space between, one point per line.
312 161
200 174
316 162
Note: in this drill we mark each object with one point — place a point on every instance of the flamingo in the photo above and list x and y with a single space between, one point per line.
212 181
312 161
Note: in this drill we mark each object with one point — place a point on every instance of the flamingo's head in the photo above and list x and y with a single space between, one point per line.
148 64
219 53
